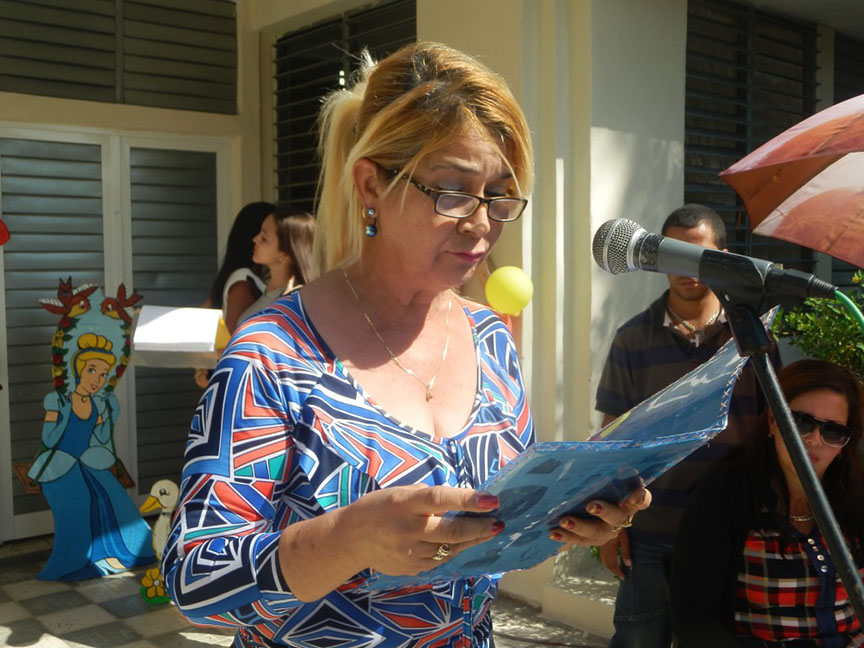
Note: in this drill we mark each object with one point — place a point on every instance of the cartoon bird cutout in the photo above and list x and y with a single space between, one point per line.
70 302
163 495
121 307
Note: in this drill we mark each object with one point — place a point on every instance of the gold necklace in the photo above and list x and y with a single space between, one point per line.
801 518
697 333
427 385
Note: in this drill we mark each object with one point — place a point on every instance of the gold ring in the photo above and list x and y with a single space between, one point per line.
624 525
443 552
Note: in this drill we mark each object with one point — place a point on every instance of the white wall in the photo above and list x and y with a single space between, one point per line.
637 143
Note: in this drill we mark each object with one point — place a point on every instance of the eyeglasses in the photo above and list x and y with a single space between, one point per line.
833 434
455 204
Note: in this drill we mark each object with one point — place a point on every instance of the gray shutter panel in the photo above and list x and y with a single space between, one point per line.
180 55
750 76
159 53
310 63
59 49
174 261
52 203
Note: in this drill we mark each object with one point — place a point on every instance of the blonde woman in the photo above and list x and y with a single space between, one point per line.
351 414
97 528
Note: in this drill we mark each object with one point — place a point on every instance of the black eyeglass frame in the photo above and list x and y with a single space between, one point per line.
436 194
834 430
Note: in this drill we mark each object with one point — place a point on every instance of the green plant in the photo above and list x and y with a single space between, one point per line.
823 328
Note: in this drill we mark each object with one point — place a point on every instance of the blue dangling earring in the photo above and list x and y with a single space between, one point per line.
371 229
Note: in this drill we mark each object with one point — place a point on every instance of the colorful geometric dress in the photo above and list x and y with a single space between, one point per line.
283 433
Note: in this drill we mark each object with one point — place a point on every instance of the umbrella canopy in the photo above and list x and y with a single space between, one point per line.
806 185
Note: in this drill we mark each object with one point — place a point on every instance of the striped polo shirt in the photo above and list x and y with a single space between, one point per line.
646 356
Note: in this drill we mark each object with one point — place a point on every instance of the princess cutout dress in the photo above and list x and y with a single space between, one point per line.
97 528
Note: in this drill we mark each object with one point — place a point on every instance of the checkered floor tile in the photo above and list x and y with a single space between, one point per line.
110 613
99 613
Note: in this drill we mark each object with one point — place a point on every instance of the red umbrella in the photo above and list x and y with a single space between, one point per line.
806 185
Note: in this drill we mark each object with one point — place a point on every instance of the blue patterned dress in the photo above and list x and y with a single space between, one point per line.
282 434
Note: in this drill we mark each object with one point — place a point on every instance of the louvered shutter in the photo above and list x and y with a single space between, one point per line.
60 49
51 196
180 54
161 53
313 61
174 260
750 76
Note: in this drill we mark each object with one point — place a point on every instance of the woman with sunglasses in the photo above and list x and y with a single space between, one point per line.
352 414
750 566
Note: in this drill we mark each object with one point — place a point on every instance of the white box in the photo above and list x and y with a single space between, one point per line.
177 337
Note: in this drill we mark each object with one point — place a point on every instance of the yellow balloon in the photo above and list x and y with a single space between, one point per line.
509 289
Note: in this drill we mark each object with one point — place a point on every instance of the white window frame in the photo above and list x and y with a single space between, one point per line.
117 255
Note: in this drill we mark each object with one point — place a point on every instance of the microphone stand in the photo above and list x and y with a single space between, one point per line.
752 341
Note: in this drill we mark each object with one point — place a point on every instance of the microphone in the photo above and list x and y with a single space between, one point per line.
621 246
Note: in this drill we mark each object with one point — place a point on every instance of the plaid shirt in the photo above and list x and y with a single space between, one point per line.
783 596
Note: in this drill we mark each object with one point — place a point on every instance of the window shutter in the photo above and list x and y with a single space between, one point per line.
159 53
750 76
313 61
52 202
174 260
848 83
180 55
60 49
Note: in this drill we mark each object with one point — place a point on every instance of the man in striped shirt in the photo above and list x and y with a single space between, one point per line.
682 329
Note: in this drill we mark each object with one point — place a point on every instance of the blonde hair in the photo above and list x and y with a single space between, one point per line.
90 347
414 102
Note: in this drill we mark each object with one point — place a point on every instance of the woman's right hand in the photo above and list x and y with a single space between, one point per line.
399 530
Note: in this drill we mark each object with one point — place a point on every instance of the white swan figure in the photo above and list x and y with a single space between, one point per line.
164 495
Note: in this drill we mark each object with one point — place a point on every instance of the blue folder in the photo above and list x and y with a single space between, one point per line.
553 479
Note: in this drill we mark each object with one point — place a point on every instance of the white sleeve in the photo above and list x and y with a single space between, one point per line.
240 274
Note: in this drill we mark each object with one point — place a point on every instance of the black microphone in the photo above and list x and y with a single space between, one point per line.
621 245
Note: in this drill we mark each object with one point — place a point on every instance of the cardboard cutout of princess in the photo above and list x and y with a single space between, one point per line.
97 528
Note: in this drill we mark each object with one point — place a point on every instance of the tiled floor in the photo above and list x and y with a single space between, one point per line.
110 612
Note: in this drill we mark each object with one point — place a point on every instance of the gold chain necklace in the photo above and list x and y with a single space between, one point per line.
427 385
801 518
697 333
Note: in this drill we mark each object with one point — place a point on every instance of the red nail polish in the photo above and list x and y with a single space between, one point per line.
555 536
567 524
497 527
593 508
487 501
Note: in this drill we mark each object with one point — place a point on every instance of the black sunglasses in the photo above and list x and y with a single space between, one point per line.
833 434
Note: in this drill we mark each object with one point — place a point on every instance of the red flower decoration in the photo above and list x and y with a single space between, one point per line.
58 382
121 370
65 322
57 359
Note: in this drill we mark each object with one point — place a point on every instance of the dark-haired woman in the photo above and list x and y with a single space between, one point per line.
750 566
284 246
238 282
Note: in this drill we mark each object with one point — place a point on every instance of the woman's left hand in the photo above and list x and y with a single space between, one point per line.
610 520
